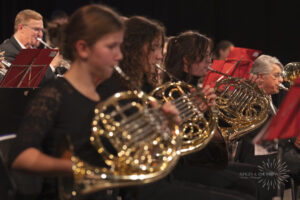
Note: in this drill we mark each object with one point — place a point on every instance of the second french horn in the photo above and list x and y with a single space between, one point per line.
197 127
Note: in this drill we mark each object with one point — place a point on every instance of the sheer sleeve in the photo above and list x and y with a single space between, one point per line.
38 120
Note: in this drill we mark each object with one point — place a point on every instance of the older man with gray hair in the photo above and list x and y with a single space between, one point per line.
269 70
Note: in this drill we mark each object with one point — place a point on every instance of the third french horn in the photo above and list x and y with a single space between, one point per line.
242 106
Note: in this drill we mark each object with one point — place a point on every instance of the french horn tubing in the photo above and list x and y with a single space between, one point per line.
291 72
138 143
198 126
242 106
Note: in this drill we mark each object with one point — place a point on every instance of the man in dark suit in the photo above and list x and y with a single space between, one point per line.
28 27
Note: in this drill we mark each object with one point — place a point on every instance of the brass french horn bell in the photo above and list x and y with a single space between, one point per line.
197 127
291 72
138 143
242 106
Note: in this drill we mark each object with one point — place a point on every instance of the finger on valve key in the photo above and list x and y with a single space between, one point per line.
210 95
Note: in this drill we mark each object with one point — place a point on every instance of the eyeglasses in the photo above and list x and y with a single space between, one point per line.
277 75
34 28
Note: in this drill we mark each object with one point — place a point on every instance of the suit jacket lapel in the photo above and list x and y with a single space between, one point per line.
15 44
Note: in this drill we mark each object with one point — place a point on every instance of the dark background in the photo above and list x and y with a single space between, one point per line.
271 26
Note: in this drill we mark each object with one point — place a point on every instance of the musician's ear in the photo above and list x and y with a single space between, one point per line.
259 75
82 49
20 27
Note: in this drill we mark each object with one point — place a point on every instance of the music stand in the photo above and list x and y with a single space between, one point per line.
28 68
237 64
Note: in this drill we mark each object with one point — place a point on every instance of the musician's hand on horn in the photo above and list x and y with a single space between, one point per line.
255 79
56 60
209 95
1 58
169 110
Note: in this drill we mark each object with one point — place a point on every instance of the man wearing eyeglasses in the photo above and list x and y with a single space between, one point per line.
27 28
269 70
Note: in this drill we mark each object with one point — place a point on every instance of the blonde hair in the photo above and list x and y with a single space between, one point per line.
24 16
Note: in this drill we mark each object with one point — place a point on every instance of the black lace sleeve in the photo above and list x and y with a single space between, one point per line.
38 120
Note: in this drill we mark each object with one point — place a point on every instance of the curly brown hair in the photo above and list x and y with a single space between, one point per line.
138 32
189 45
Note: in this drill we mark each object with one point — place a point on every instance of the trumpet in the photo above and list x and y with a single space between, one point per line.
44 43
64 63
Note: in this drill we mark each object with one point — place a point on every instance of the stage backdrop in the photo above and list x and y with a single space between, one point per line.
267 25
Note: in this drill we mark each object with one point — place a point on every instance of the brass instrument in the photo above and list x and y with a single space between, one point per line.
137 142
197 127
242 106
291 72
44 43
5 63
282 87
63 62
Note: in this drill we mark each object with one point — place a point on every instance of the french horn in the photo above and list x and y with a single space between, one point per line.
197 127
291 72
242 106
138 143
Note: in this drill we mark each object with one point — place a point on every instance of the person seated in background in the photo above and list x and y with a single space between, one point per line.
54 36
188 57
222 50
59 17
27 28
269 70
